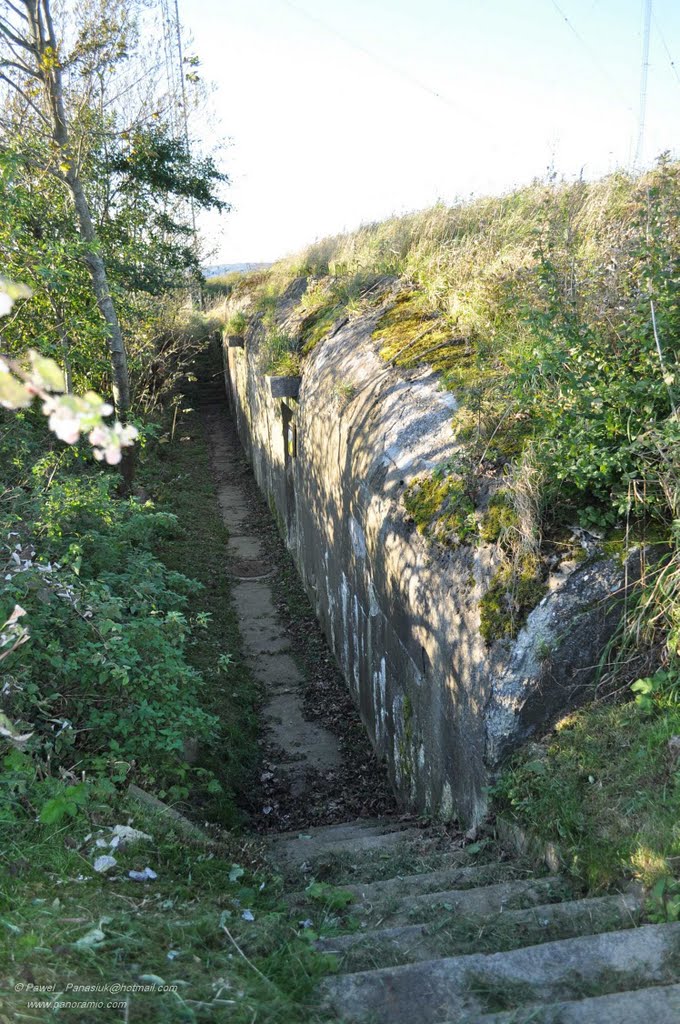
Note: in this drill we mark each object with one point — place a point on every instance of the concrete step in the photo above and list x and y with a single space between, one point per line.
404 886
305 848
482 900
436 991
373 948
343 829
659 1005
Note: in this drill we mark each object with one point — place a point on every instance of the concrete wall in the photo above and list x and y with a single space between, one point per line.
401 614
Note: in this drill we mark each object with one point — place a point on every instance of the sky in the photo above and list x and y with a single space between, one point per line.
344 113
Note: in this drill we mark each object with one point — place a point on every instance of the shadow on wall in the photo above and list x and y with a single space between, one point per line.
401 613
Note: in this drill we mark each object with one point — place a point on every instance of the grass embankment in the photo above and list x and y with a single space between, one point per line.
132 667
552 313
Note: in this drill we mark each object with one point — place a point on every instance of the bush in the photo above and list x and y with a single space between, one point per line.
104 683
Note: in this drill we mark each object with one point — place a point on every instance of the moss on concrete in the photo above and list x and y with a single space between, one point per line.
411 330
441 509
500 518
514 591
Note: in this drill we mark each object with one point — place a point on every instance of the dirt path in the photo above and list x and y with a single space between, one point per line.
313 771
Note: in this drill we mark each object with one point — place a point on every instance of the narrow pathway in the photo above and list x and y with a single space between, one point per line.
299 750
422 927
317 763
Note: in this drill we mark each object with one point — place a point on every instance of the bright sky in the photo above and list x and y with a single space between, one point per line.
346 112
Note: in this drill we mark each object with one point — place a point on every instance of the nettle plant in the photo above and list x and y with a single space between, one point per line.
69 416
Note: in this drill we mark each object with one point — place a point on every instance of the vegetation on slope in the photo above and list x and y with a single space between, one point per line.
553 314
130 662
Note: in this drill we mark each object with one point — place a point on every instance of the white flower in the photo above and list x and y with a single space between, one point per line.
6 303
99 436
65 424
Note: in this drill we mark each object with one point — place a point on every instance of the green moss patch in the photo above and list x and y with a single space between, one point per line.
515 590
441 509
411 331
317 324
499 520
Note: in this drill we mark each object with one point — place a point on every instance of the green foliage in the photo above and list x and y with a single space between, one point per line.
237 324
663 902
605 787
663 685
104 679
139 185
283 355
331 896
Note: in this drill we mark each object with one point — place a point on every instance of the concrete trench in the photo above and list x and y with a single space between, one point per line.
416 890
310 773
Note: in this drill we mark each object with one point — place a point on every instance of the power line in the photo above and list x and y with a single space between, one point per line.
644 77
672 63
353 44
593 56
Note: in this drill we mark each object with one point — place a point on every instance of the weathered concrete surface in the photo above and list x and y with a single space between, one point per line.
303 748
457 988
430 941
401 613
652 1005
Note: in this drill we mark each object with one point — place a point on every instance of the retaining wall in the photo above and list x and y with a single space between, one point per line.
401 613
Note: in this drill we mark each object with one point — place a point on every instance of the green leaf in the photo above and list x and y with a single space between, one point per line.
53 811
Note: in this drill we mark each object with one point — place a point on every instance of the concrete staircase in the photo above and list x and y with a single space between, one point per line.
425 932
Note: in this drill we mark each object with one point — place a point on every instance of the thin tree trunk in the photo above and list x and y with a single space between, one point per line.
65 346
45 45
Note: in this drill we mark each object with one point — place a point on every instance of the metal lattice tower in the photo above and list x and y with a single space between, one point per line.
644 76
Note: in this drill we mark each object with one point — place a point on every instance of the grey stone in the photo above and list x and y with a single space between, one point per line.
482 900
441 990
659 1005
428 941
301 850
457 877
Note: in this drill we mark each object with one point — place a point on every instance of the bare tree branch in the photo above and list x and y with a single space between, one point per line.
17 88
20 67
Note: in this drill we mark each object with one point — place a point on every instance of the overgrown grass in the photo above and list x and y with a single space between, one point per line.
212 925
605 787
177 472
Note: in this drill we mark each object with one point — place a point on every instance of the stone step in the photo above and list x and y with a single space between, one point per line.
403 886
659 1005
457 936
305 847
436 991
482 900
340 830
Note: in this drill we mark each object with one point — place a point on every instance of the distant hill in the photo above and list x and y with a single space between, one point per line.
231 268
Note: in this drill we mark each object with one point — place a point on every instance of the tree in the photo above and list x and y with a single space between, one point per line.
31 63
112 190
